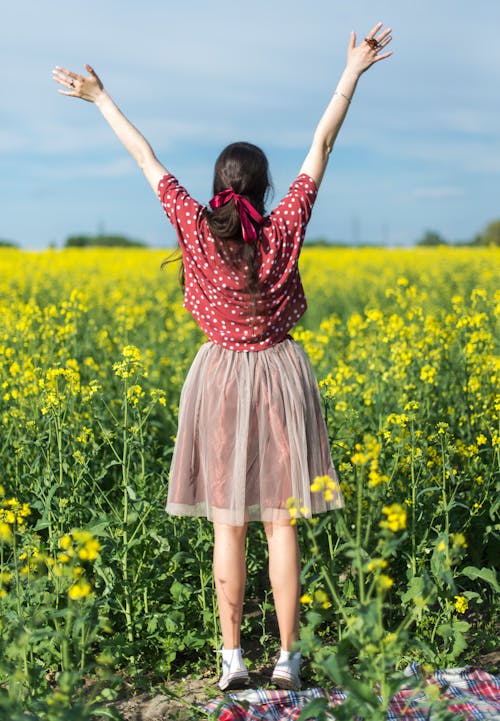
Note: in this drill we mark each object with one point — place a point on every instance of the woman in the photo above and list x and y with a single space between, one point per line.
251 433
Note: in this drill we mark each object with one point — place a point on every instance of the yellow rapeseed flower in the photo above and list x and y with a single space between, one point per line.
327 486
461 604
428 374
396 517
376 564
322 599
367 451
5 532
65 542
79 542
384 582
131 364
79 590
90 550
293 510
375 477
458 540
13 511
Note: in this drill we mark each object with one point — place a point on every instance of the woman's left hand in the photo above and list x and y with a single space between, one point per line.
88 88
361 57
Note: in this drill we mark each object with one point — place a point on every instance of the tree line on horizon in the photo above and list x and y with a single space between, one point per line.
490 236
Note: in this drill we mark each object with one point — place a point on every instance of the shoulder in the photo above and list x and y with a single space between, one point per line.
168 183
297 203
304 185
176 200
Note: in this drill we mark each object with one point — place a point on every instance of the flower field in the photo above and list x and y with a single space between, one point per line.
96 582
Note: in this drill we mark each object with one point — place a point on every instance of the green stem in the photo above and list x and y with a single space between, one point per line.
82 648
357 548
59 441
382 672
65 655
18 599
125 519
443 492
413 559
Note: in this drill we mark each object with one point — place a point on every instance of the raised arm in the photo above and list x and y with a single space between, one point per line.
90 88
359 58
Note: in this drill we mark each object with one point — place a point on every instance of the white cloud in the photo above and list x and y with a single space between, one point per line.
195 75
438 192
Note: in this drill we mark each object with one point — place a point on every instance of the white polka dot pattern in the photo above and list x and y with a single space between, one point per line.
216 295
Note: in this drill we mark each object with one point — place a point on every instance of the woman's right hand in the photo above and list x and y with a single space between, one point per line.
88 88
361 57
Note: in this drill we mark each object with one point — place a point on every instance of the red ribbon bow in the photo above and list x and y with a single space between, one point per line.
245 210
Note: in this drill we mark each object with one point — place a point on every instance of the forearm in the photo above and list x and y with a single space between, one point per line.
359 58
335 112
329 125
91 89
129 136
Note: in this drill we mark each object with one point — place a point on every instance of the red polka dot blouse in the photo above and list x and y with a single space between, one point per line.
216 295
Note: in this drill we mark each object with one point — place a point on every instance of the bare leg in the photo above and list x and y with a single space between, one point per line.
230 577
284 573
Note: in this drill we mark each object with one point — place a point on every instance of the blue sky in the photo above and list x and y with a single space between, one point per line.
420 148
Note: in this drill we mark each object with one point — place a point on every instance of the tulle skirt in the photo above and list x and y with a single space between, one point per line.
251 435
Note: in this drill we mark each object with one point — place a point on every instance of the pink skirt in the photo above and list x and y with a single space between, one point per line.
251 436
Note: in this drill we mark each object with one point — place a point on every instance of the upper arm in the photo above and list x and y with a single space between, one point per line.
153 171
316 161
183 211
290 217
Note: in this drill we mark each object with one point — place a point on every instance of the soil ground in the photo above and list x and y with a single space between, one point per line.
178 701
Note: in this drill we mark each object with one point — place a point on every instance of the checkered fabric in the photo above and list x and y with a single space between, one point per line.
471 694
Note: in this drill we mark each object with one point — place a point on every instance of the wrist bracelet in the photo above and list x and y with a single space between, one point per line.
337 92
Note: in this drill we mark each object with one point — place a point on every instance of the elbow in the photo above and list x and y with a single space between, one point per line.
323 146
144 158
327 147
327 151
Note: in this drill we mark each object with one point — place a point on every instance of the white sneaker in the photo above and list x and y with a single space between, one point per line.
234 671
286 674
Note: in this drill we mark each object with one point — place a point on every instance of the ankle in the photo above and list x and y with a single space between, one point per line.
287 655
232 658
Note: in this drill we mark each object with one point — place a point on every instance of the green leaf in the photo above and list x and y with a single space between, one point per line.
107 712
362 691
98 529
485 574
314 709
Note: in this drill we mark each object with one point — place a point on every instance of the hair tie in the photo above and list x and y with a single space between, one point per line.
245 211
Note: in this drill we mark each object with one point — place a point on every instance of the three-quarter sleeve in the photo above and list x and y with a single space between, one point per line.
181 209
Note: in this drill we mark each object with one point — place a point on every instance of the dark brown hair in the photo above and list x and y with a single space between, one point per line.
244 168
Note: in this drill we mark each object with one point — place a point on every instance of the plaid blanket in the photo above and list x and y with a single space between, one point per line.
471 694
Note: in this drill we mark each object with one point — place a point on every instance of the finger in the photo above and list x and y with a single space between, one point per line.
385 42
67 72
70 86
374 30
57 75
352 41
380 57
64 78
90 70
383 35
66 82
